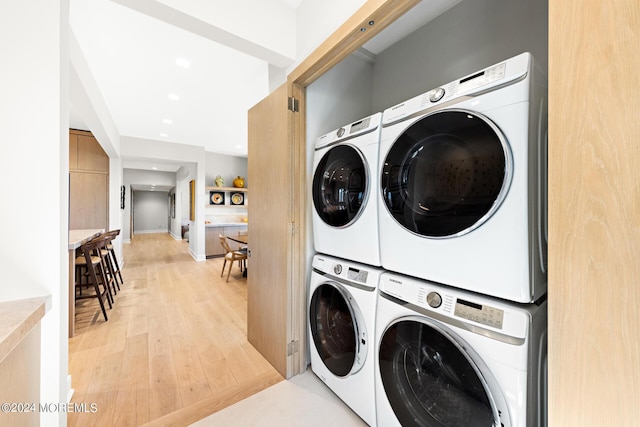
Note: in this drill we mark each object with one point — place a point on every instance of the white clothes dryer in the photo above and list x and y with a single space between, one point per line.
451 358
342 311
464 183
344 191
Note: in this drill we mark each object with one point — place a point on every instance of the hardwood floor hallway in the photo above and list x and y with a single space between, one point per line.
174 349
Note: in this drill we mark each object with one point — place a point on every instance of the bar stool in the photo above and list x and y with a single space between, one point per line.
112 251
90 266
106 265
108 257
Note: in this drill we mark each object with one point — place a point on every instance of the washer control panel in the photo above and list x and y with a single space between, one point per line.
479 313
352 273
357 275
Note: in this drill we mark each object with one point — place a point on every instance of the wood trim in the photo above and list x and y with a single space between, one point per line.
80 132
299 189
594 212
344 41
349 37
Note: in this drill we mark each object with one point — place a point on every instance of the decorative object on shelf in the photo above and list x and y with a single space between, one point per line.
238 182
237 199
216 197
219 181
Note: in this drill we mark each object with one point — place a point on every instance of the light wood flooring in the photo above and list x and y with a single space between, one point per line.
174 349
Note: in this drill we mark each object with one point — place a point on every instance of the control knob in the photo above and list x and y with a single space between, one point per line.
337 269
436 95
434 300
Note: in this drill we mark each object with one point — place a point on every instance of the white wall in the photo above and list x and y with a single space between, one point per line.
317 20
268 23
34 150
151 212
228 167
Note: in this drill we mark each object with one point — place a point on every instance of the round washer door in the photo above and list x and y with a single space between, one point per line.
446 174
340 186
337 329
431 380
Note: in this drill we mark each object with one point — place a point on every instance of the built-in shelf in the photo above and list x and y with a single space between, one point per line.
230 189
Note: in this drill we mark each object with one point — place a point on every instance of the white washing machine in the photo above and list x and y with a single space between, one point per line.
451 358
342 311
464 183
344 190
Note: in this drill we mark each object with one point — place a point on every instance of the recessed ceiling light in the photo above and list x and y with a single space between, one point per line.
238 147
164 135
154 168
184 63
174 97
167 121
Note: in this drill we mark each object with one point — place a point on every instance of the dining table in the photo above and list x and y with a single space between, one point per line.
76 239
241 237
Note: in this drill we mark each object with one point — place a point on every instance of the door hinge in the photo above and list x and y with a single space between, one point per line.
292 104
293 347
292 228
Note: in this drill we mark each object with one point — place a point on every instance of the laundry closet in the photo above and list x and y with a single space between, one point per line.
583 43
463 45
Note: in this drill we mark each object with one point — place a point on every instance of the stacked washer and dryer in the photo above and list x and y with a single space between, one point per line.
343 289
458 335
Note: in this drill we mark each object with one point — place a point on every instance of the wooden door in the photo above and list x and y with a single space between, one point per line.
270 221
594 213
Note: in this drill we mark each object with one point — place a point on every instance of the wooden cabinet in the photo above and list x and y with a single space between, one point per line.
213 248
85 152
88 200
88 182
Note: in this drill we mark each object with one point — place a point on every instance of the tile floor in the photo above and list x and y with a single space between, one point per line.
302 401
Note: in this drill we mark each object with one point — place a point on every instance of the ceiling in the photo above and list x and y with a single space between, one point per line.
187 71
163 77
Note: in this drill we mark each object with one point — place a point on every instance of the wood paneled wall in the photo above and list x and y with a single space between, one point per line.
594 213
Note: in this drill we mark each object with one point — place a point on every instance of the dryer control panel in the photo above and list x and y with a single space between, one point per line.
479 313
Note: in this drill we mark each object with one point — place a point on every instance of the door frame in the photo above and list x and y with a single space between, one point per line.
368 21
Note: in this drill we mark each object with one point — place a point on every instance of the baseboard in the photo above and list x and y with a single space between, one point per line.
126 240
176 237
151 231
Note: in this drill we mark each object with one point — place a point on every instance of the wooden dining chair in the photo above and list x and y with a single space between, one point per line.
231 255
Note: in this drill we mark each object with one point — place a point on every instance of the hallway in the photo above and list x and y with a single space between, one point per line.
174 349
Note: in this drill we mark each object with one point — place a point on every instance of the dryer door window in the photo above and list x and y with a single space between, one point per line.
431 381
340 186
334 329
446 174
